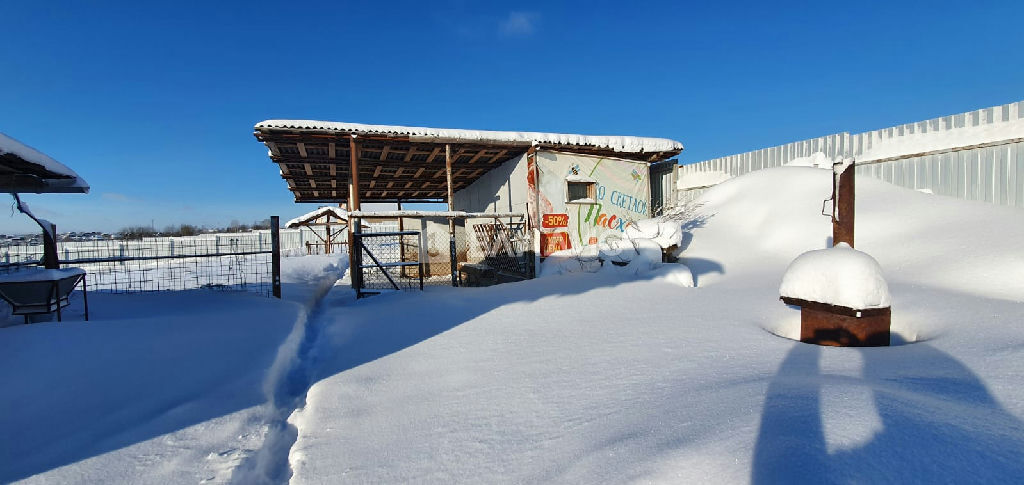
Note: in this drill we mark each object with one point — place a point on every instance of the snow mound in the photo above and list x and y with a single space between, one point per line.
666 234
673 274
696 180
839 276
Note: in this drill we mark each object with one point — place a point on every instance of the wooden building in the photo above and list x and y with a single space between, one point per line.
544 176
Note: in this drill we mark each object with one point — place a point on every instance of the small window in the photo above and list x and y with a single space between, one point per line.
580 191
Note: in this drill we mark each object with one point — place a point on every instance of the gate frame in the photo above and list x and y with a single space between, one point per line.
455 218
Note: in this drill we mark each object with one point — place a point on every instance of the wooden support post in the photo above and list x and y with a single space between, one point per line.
327 236
843 196
354 224
451 222
275 256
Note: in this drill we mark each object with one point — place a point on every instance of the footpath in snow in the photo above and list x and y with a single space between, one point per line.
613 378
173 387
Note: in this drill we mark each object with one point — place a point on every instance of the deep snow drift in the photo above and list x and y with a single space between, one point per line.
156 388
620 377
624 375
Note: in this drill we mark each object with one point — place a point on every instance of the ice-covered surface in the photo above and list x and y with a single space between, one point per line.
166 387
624 144
14 147
840 276
336 211
623 378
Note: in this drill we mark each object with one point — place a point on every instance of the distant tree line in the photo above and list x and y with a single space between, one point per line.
139 232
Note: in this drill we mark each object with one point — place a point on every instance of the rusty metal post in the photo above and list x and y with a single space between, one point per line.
844 198
275 254
453 260
353 196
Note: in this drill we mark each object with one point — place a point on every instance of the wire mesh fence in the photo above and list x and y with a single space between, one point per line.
388 262
504 249
232 262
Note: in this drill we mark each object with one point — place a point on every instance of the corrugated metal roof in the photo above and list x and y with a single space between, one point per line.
623 144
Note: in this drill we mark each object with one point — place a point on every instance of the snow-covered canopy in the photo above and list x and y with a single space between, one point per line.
25 169
623 144
308 217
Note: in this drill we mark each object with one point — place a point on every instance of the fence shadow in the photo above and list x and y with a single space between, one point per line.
940 424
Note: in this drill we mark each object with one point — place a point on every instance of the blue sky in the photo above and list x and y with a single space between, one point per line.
154 104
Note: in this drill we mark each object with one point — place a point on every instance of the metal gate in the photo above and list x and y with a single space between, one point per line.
383 264
663 186
507 248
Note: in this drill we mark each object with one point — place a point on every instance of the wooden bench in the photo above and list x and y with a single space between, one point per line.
41 291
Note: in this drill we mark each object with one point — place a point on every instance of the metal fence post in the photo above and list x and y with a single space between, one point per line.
275 254
454 260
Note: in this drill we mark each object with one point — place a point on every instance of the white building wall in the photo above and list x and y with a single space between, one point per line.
503 189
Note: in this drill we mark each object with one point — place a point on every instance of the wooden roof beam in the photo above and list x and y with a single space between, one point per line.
498 157
476 157
433 154
273 148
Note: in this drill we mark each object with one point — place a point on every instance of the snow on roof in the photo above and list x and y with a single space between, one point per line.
336 211
58 177
625 144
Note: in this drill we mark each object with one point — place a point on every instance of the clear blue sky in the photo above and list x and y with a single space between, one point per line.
153 103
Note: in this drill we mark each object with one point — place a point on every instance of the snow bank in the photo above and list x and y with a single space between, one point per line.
594 379
840 276
625 144
696 180
167 387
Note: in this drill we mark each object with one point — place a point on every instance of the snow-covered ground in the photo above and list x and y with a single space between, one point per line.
171 387
607 377
611 378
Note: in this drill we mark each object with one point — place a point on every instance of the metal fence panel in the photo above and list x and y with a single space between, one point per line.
992 173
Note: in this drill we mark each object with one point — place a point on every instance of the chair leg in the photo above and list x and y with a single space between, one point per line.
56 297
85 297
